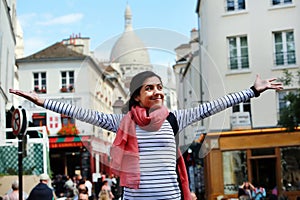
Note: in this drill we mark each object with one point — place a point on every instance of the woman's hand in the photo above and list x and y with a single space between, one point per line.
31 96
262 85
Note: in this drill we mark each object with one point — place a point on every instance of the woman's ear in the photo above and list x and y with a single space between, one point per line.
137 98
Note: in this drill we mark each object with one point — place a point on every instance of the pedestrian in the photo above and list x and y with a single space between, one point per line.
259 193
69 187
89 186
144 150
81 189
246 191
83 196
14 193
42 190
107 190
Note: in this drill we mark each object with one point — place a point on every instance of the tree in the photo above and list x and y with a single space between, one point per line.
290 115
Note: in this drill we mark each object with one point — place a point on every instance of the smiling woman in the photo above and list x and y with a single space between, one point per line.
144 150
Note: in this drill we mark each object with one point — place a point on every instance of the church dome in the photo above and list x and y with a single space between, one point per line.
129 48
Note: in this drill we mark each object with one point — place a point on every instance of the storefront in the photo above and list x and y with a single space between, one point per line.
265 157
85 155
69 155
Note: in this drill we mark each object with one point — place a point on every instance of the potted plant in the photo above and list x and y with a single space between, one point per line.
36 89
43 90
71 88
63 89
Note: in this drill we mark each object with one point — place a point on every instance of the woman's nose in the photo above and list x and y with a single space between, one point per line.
157 91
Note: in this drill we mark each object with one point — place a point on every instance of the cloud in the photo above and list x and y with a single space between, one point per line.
26 19
34 44
65 19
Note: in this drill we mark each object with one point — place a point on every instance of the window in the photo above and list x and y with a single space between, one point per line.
241 116
281 2
283 103
68 126
290 165
39 82
234 5
67 81
39 119
234 170
242 107
284 46
66 121
238 53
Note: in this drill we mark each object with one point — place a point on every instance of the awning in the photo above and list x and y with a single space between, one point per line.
68 141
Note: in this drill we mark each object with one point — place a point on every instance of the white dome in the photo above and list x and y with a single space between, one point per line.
129 50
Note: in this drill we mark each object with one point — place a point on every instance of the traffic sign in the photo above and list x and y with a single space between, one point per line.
17 121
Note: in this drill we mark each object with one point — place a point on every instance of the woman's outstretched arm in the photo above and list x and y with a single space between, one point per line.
186 117
31 96
107 121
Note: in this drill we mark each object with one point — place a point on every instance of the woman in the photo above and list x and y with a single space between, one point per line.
246 191
106 191
144 151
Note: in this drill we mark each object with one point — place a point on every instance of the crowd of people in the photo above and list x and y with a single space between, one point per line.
80 188
63 187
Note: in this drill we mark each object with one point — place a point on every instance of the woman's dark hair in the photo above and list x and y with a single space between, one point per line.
135 88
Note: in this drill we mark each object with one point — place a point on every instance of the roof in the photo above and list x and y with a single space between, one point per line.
57 50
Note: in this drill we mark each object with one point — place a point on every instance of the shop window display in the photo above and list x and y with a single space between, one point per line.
290 161
234 170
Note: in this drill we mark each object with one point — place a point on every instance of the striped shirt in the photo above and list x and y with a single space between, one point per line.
157 150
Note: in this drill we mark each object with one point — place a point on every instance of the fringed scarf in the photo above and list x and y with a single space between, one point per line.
124 151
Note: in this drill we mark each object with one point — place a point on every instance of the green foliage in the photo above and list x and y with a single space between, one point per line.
287 77
290 115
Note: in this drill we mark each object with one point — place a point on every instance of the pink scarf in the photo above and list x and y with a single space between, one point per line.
125 152
125 146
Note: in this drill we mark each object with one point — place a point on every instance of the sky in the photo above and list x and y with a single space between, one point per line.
46 22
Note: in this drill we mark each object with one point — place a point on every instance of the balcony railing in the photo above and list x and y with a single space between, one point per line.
240 120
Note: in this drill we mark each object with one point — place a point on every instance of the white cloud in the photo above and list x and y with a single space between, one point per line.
26 19
33 45
65 19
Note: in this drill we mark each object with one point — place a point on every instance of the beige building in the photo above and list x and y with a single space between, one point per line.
67 71
239 39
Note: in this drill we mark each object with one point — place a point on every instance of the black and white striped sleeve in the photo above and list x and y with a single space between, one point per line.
188 116
109 122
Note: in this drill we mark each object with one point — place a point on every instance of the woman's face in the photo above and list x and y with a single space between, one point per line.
151 93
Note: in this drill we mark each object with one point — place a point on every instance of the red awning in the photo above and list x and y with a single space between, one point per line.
68 141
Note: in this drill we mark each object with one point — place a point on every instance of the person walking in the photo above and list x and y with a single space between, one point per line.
14 193
42 191
144 150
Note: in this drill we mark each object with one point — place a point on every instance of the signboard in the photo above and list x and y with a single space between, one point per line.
17 120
